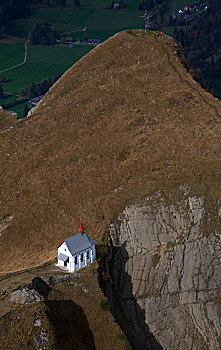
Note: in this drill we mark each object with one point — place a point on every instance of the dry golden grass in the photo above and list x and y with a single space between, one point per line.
75 310
18 330
71 315
7 119
125 120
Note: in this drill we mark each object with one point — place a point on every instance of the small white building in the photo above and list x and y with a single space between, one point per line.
77 251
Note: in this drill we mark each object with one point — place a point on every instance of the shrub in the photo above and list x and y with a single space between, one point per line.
104 305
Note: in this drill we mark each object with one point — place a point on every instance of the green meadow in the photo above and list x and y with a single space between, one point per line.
42 62
46 61
19 109
11 55
90 14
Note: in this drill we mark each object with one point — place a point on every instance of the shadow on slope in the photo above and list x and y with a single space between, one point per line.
127 312
67 318
70 325
40 286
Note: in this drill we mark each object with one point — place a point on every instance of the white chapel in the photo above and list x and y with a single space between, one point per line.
76 251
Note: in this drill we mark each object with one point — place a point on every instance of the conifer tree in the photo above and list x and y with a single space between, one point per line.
26 110
2 78
1 92
77 3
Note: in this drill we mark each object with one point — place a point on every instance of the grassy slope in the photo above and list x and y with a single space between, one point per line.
43 62
95 328
7 119
125 120
17 328
71 316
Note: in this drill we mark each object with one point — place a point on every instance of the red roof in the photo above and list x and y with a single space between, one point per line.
81 230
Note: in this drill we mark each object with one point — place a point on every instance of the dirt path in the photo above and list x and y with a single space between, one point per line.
75 31
20 64
12 281
10 93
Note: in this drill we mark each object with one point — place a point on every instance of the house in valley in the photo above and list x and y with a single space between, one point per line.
69 40
76 251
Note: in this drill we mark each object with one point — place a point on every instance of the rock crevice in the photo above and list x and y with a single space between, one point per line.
164 274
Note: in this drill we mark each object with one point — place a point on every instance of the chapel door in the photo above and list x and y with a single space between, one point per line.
66 262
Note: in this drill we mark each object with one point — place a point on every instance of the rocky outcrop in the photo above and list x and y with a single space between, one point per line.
25 296
165 273
41 340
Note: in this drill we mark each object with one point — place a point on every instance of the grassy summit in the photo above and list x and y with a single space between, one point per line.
125 120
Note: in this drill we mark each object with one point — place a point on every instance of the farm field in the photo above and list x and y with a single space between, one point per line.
46 61
11 54
90 14
42 62
19 109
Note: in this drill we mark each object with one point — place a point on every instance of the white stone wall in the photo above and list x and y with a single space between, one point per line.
71 265
94 253
63 249
92 256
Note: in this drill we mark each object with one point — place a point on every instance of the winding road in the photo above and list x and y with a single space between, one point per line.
26 50
20 64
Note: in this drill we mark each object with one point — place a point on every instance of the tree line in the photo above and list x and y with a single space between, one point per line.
155 10
202 47
38 89
55 2
30 91
43 34
11 10
149 4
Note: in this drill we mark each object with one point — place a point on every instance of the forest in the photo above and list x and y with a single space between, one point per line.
43 34
11 10
202 47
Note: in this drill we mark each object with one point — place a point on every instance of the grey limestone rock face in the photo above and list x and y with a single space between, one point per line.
25 296
165 274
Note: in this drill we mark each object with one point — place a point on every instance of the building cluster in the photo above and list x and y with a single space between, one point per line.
194 9
71 42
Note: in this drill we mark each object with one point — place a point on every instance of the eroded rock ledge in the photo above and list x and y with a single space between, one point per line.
165 273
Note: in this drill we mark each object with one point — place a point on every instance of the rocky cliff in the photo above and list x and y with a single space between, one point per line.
164 272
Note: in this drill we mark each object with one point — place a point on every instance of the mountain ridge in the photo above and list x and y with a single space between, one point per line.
124 121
